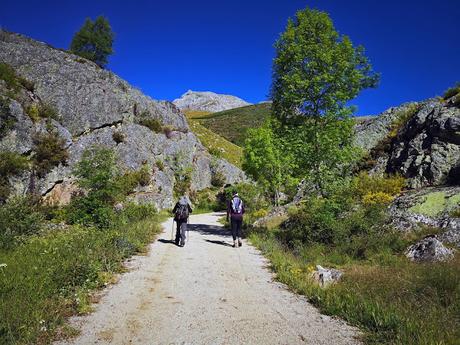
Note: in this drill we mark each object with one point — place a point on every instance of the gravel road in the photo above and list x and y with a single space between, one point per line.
204 293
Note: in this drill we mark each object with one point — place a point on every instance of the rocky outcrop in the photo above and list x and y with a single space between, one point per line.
420 141
326 276
429 249
208 101
93 105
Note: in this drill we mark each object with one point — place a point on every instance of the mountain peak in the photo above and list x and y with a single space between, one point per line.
208 101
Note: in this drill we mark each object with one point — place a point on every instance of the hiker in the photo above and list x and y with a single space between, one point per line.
235 211
181 212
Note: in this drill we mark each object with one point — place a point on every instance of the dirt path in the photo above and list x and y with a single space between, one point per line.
205 293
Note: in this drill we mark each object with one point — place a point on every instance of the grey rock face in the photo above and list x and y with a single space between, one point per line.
426 149
208 101
429 249
92 105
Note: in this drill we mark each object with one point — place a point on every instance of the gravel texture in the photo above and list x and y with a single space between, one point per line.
205 293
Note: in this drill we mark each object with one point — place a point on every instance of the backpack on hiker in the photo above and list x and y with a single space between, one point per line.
181 212
237 205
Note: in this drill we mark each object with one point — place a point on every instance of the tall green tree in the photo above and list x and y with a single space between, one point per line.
316 72
94 41
265 161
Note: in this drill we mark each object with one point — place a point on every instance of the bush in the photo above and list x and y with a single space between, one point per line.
378 198
218 179
452 91
207 200
8 75
118 137
183 181
50 151
216 152
160 165
144 175
11 164
153 124
19 217
7 121
39 111
365 184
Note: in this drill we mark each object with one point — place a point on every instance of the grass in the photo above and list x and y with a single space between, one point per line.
232 124
51 277
217 144
435 203
393 300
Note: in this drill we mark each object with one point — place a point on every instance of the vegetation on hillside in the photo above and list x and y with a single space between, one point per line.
233 124
52 258
217 145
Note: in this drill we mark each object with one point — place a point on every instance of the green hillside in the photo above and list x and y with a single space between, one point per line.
232 124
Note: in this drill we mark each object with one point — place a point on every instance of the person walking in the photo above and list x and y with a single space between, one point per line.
181 212
235 211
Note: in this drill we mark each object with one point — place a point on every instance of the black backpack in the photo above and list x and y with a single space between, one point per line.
181 212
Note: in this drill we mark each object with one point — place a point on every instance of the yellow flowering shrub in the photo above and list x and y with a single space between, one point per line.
378 198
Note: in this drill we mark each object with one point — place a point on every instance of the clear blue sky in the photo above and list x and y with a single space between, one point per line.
226 46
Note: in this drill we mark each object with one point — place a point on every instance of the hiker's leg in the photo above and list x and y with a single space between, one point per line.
233 226
179 223
238 231
183 229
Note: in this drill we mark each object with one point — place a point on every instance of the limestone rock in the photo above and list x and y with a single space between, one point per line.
208 101
429 249
326 276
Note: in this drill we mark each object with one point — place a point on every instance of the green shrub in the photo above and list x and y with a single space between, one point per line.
8 75
207 200
452 91
19 217
218 179
50 151
144 175
153 124
365 184
118 137
11 164
39 111
183 182
160 164
216 152
7 121
168 131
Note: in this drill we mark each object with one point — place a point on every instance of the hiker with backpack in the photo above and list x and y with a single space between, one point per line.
181 211
235 211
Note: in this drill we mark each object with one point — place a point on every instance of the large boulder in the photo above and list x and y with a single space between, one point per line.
429 249
97 108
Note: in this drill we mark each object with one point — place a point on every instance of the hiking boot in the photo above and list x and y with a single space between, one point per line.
240 243
234 244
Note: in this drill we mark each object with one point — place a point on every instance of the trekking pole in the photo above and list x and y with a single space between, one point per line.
172 231
188 229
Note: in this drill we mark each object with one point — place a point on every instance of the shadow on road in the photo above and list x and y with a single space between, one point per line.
209 229
162 240
222 243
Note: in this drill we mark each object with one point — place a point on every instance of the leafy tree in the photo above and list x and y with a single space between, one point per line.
316 72
265 161
94 41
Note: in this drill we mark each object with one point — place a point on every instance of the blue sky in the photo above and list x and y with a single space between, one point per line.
226 46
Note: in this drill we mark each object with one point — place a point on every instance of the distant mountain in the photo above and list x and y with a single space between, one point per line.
208 101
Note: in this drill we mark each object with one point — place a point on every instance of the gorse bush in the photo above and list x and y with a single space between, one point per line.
364 184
